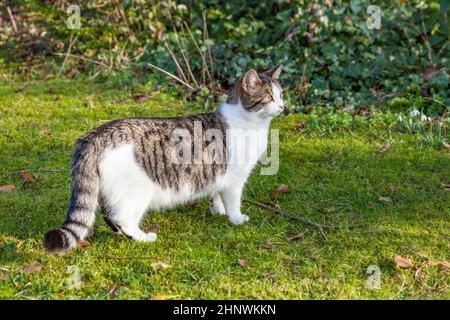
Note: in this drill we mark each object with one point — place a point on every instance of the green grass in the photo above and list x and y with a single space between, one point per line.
334 178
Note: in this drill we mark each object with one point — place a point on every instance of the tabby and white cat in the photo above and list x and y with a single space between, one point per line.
126 166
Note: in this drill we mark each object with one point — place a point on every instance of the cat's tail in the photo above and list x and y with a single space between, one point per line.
83 201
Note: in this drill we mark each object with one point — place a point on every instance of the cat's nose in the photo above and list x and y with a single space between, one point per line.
281 107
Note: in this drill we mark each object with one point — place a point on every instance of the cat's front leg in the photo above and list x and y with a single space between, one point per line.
216 205
231 197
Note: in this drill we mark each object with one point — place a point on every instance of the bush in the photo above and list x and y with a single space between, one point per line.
330 57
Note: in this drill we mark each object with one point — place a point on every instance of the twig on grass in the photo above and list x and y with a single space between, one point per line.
318 226
291 216
125 258
37 170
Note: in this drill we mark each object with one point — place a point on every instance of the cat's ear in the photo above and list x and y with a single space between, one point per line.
251 81
274 72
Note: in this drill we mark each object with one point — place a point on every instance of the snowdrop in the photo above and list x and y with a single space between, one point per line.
414 113
423 117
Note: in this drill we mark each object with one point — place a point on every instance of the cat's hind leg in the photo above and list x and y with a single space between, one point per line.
127 192
106 213
216 205
127 218
127 215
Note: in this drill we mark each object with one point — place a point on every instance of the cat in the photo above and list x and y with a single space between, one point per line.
133 165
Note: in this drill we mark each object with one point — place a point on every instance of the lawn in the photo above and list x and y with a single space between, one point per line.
395 197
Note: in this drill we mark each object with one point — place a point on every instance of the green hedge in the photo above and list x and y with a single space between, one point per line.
329 55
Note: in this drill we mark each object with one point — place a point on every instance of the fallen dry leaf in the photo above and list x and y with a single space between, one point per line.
299 126
296 236
242 262
392 188
386 200
160 265
27 176
281 189
192 204
89 102
48 76
51 90
140 97
152 228
47 131
431 72
271 276
403 262
83 243
158 297
73 73
31 268
113 291
162 297
8 188
445 264
384 147
364 112
446 186
446 145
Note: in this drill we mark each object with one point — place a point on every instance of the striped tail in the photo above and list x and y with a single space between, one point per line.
83 201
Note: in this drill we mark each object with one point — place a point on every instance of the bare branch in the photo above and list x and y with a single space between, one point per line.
171 75
175 60
13 21
205 65
82 58
184 53
205 38
71 42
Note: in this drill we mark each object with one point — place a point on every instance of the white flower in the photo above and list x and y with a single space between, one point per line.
423 117
399 118
414 112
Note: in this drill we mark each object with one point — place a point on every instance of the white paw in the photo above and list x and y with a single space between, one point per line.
215 211
240 219
150 237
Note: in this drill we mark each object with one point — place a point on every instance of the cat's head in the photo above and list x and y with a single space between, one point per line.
260 93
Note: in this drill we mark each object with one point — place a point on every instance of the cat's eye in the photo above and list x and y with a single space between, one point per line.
267 99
